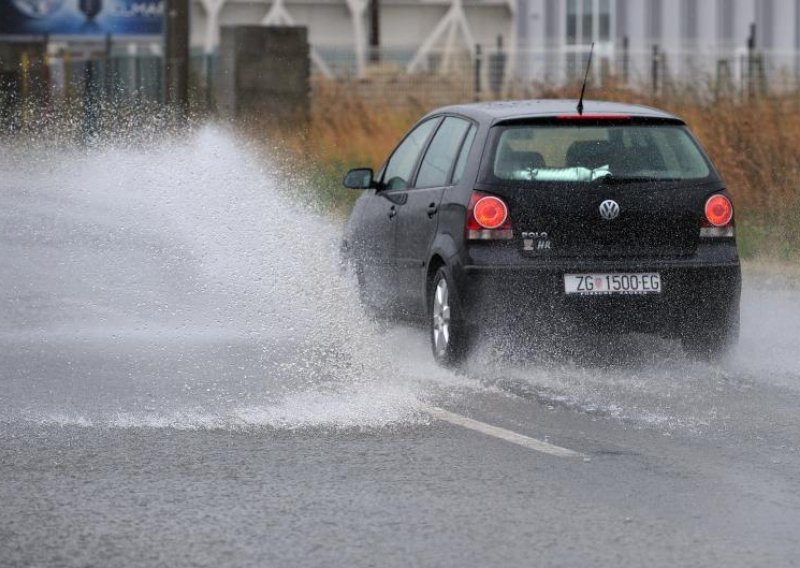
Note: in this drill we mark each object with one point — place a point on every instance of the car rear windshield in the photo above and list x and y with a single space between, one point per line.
615 152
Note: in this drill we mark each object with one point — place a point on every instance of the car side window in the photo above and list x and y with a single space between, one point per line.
400 167
438 161
461 164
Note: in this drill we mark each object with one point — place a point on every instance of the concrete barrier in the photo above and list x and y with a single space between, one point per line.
264 72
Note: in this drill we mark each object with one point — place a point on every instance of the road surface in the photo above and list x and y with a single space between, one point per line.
186 379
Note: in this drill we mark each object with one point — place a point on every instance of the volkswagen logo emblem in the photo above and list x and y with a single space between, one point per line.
609 209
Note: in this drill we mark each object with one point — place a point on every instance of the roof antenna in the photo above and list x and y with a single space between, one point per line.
585 76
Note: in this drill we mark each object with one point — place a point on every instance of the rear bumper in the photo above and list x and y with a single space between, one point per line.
533 295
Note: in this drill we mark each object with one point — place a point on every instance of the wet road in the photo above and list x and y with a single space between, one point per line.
173 393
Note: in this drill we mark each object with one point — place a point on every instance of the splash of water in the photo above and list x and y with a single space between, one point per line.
177 284
649 382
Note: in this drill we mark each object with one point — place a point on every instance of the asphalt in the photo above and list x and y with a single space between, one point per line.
172 393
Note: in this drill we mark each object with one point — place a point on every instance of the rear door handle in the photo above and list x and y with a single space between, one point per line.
432 210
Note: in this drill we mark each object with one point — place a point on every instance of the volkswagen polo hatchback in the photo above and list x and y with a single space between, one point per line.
529 213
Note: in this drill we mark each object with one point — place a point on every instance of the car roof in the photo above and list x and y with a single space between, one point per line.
500 111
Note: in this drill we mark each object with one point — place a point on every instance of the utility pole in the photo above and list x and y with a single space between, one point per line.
176 55
374 31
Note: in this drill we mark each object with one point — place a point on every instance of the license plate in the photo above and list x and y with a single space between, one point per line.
604 284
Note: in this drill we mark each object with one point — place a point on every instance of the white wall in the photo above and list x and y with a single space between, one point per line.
682 57
404 23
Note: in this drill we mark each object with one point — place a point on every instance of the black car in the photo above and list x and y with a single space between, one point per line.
612 220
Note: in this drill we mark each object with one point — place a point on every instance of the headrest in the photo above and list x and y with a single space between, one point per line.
510 161
589 154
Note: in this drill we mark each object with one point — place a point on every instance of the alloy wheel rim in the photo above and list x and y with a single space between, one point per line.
441 318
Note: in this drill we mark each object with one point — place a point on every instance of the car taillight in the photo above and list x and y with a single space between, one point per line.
487 218
719 217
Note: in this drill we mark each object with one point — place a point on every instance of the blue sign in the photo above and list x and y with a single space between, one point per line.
82 17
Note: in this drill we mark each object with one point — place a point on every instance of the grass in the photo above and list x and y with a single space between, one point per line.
754 143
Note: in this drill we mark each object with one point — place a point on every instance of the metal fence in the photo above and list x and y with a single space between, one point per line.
122 76
483 73
440 77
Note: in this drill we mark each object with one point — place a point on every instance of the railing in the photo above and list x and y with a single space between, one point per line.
441 77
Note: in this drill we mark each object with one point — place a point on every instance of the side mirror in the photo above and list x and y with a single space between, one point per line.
359 178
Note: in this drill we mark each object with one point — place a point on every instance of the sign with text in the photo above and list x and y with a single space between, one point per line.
82 17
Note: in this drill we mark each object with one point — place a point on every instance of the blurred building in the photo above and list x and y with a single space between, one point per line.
414 34
544 41
692 37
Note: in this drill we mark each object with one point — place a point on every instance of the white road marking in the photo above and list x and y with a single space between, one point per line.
502 433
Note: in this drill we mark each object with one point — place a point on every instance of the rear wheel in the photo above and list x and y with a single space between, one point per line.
711 341
448 333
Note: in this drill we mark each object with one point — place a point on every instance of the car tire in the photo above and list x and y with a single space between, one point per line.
447 330
711 342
